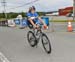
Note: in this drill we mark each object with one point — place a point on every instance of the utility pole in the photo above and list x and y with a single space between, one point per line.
73 10
4 6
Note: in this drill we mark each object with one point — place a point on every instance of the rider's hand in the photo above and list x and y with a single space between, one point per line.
45 26
36 26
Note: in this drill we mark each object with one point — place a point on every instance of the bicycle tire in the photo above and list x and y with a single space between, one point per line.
45 36
29 40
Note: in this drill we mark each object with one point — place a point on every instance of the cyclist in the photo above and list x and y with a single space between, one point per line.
34 18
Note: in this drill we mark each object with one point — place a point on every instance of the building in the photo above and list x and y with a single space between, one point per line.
68 11
65 11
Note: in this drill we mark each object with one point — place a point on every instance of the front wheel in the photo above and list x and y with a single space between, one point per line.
46 43
31 39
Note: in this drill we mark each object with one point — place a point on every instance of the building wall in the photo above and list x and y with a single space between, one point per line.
65 11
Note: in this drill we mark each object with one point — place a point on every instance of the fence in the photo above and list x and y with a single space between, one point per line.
55 23
60 23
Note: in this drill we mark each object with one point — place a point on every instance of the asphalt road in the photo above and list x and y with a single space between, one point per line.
14 46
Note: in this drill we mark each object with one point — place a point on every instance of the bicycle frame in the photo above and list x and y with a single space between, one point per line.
39 35
38 32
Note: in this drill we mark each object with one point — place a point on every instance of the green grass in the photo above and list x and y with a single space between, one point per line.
60 21
2 19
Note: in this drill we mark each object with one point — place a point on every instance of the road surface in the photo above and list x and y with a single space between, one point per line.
14 46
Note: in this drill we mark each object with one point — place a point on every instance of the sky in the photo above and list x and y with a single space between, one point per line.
41 5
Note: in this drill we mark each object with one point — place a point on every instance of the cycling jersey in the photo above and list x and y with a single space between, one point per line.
33 17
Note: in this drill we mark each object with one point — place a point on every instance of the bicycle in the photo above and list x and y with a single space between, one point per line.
35 35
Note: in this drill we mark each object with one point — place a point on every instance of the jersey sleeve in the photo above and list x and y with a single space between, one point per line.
36 15
28 15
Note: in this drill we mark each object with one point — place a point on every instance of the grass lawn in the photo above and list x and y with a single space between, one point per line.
2 19
60 21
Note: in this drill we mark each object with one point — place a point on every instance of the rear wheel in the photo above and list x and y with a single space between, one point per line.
46 43
31 39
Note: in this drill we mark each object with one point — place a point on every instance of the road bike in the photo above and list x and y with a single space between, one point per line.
35 35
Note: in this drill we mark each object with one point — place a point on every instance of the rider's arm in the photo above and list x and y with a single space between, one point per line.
37 16
41 21
31 21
